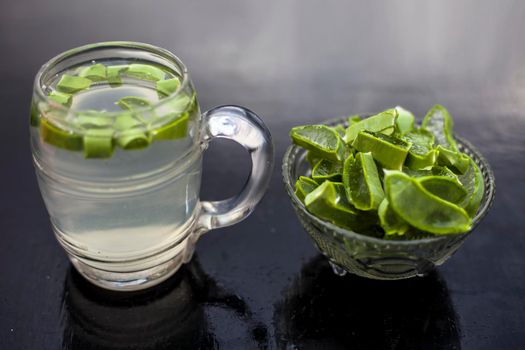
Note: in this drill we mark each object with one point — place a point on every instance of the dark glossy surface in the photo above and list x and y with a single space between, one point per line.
261 283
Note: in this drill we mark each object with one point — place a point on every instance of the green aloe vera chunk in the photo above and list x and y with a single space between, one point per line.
340 130
145 72
58 137
404 121
454 160
312 158
113 74
361 181
303 186
321 140
439 122
421 209
133 139
444 187
93 119
436 170
98 143
472 179
327 170
353 119
71 84
420 155
176 129
95 72
60 97
126 121
383 122
391 223
174 106
168 86
390 152
133 102
328 202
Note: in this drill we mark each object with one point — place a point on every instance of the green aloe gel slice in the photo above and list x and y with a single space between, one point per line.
444 187
303 186
328 202
95 72
145 72
168 86
98 143
321 140
312 158
70 84
58 137
473 182
133 102
454 160
439 122
383 122
436 170
177 129
353 119
361 181
131 133
92 119
113 74
404 121
390 152
421 209
391 223
420 155
340 130
61 97
327 170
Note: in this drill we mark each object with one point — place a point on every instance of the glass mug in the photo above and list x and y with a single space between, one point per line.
117 139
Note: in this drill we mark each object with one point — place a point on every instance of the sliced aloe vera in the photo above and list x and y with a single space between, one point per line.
361 181
421 209
439 122
391 223
312 158
98 143
93 119
133 102
383 122
436 170
328 202
58 137
327 170
168 86
145 72
454 160
60 97
340 130
353 119
71 84
404 121
95 72
113 74
303 186
174 106
420 155
390 152
320 140
133 139
473 182
444 187
177 129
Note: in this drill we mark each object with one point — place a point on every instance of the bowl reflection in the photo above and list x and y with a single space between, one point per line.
325 311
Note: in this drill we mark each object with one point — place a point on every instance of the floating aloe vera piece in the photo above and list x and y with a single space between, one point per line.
473 182
60 97
113 74
133 102
361 182
98 143
58 137
168 86
93 119
71 84
422 209
390 152
327 170
328 202
303 186
404 121
391 223
320 140
444 187
177 129
133 139
420 155
145 72
174 106
126 121
439 122
383 122
95 72
454 160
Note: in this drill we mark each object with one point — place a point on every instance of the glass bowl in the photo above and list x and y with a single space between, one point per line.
376 258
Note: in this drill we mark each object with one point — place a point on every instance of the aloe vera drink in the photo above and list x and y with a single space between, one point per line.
126 175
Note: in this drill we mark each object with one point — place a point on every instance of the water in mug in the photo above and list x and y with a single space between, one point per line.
125 185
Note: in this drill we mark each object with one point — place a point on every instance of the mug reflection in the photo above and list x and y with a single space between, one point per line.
322 310
169 316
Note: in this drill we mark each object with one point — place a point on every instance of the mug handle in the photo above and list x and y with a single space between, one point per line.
247 129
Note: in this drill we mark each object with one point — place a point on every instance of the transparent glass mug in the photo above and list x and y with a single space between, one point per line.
126 208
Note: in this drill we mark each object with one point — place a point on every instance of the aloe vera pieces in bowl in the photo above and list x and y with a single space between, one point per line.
386 177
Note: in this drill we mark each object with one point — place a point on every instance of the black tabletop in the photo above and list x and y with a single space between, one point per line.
261 283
